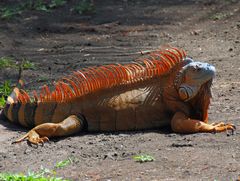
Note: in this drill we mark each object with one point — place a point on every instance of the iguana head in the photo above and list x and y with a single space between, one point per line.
194 75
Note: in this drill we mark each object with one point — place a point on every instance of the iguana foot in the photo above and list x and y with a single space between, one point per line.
221 127
33 137
182 124
42 132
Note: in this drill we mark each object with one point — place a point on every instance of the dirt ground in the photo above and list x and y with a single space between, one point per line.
61 41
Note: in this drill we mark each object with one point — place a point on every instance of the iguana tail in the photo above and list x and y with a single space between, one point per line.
14 109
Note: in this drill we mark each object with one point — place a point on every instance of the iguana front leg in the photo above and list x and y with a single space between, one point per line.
42 132
180 123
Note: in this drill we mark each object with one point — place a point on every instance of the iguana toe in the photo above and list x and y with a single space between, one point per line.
218 124
224 127
37 141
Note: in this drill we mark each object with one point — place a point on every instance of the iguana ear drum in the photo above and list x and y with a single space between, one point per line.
187 92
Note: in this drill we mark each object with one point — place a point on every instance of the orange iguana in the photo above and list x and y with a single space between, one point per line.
165 88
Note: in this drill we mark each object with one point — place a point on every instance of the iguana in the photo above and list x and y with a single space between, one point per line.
164 88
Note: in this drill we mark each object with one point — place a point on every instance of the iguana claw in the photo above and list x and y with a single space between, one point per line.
221 127
32 137
38 140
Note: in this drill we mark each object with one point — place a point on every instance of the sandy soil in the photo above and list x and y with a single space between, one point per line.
60 42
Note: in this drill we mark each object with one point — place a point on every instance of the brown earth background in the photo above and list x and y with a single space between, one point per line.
61 41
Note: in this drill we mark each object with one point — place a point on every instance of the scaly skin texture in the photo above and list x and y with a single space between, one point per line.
166 88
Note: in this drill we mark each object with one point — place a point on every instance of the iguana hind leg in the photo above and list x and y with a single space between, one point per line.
182 124
42 132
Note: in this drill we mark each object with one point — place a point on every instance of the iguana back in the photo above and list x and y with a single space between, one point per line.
148 93
110 97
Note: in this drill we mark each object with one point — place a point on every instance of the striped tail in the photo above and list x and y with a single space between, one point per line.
32 113
19 113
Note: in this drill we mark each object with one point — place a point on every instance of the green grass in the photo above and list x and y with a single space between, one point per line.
43 175
85 6
42 5
57 3
63 163
143 158
26 64
8 12
2 102
6 62
5 90
29 177
39 5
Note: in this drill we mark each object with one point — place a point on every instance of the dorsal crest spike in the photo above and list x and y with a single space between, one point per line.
92 79
36 98
25 95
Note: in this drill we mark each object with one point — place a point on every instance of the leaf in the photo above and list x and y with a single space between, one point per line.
2 102
143 158
63 163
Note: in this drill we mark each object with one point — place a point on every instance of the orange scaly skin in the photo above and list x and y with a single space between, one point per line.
165 88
